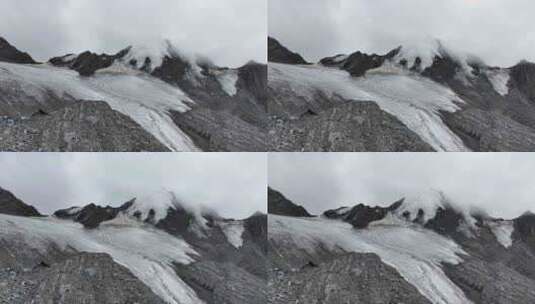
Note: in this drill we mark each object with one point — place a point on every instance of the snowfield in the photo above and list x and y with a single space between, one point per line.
147 252
143 98
415 252
413 99
503 232
233 231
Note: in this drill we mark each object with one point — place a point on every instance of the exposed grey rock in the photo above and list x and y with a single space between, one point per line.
523 75
349 278
78 278
280 205
83 127
223 283
10 204
484 130
491 282
350 127
214 130
9 53
278 53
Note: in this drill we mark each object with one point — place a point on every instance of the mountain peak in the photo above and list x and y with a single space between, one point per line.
11 205
153 207
9 53
279 53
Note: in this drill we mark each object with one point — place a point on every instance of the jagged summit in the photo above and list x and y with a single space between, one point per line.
9 53
279 204
279 53
138 57
10 204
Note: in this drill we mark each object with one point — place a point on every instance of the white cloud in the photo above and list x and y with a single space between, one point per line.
500 32
500 183
232 184
229 32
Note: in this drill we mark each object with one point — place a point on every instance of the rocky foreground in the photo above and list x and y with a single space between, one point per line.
400 253
139 252
399 102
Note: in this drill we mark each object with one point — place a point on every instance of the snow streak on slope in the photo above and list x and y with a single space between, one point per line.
233 231
145 99
499 79
227 80
416 253
503 231
414 100
148 253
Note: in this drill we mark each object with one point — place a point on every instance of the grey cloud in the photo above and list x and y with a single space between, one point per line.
500 32
229 32
234 185
500 183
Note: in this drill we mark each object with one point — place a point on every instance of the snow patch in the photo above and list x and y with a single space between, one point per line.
233 231
503 230
428 201
416 253
499 79
413 99
159 202
427 49
227 80
147 252
143 98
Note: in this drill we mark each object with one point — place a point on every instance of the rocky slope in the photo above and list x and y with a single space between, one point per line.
9 53
84 126
156 86
424 249
152 249
278 204
432 96
10 204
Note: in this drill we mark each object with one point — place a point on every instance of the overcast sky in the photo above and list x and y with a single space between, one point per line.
230 32
500 183
232 184
501 32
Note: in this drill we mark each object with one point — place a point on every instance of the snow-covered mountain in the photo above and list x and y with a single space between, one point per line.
178 101
414 98
424 249
152 249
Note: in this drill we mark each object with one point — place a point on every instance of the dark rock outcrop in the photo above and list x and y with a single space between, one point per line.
10 204
523 76
280 205
92 215
256 225
361 215
442 70
525 229
278 53
357 64
9 53
177 221
446 221
87 63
